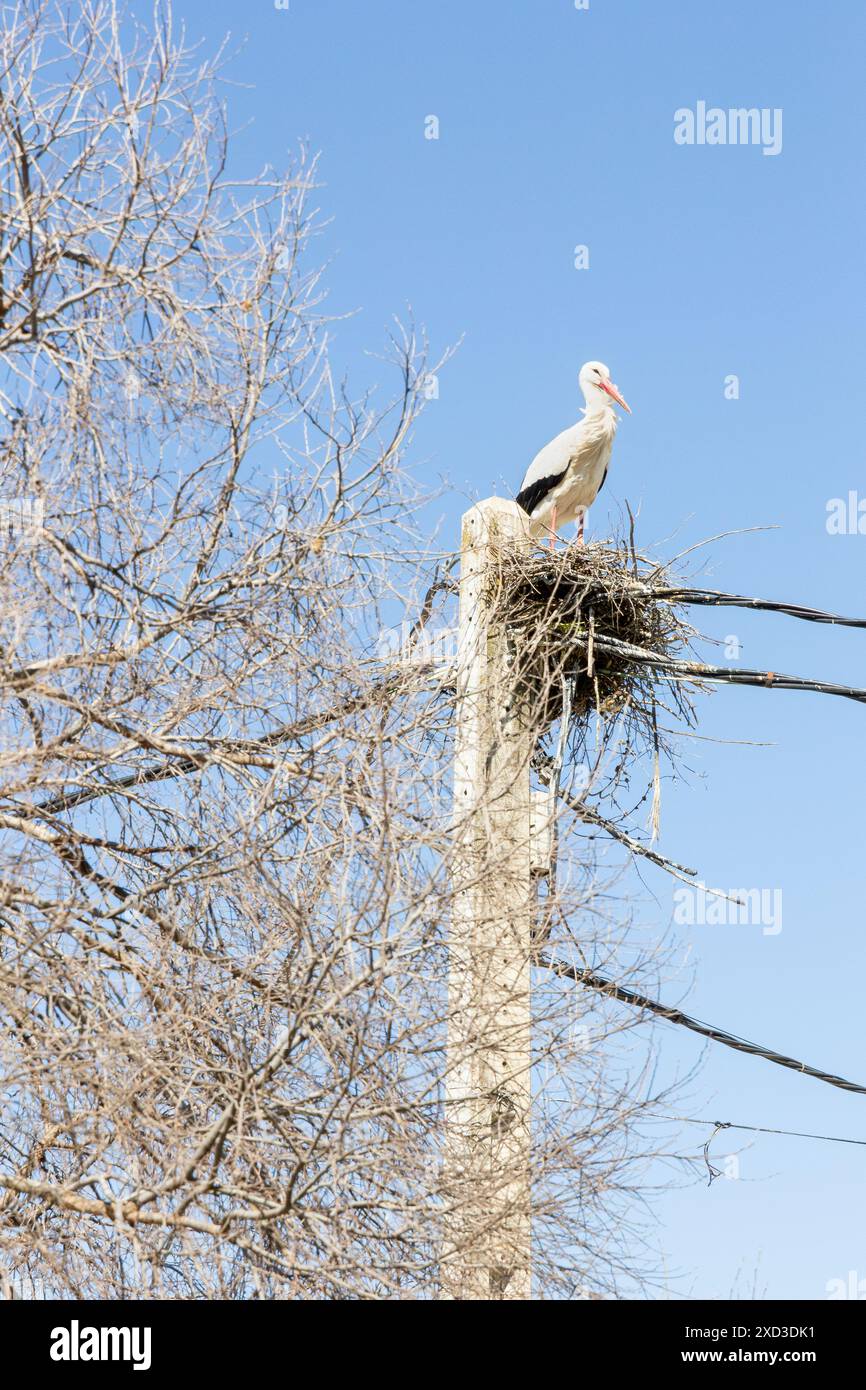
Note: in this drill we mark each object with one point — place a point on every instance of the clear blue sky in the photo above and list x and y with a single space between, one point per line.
556 129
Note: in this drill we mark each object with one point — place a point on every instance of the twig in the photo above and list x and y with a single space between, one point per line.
670 866
592 817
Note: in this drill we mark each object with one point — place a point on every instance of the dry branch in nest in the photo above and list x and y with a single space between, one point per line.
601 629
590 615
610 621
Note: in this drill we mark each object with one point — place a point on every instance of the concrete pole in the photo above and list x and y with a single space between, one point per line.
487 1153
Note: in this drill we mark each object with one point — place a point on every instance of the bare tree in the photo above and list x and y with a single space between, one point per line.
227 833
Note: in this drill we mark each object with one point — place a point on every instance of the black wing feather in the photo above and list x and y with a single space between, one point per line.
530 497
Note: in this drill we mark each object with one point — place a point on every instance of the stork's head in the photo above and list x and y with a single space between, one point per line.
598 389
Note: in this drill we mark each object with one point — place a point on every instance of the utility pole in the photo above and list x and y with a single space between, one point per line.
487 1150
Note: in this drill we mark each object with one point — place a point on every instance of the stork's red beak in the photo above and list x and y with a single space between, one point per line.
611 390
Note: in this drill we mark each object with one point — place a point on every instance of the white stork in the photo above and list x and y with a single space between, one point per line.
565 478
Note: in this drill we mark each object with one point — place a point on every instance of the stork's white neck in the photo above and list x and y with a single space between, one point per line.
601 413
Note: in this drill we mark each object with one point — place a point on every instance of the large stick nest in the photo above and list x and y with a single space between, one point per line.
590 613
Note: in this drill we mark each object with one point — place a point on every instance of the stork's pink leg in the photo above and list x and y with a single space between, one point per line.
553 529
580 522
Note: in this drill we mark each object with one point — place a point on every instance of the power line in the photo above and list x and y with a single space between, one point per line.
761 1129
677 669
707 1030
714 598
718 1125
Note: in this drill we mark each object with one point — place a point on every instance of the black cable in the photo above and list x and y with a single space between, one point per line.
641 1001
761 1129
714 598
675 668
